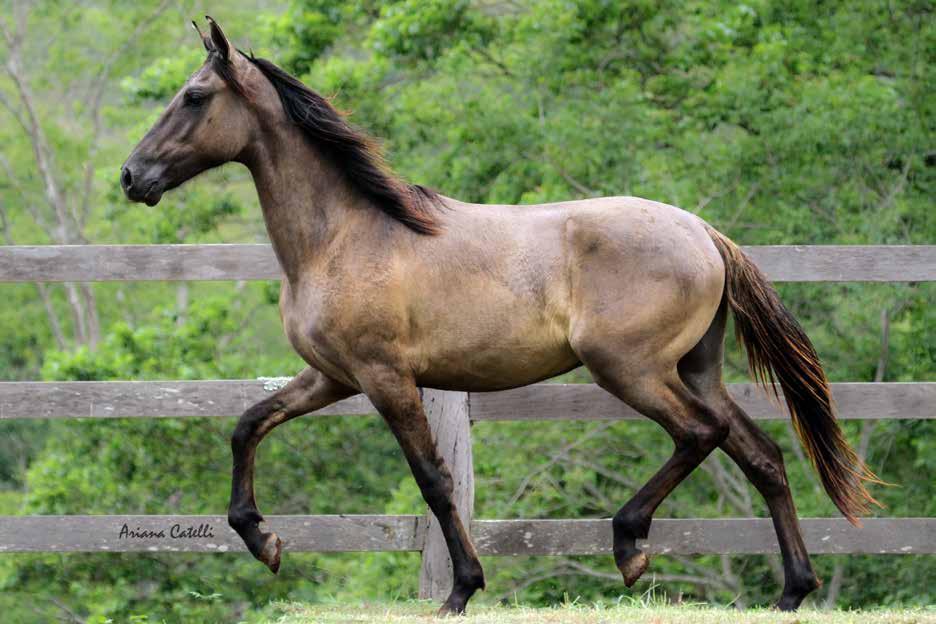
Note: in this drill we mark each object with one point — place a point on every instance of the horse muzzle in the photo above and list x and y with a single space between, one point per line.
141 184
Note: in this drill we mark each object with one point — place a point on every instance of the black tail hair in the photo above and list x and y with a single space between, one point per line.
777 347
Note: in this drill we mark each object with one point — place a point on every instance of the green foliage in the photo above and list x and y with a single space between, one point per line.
161 80
309 28
416 29
779 121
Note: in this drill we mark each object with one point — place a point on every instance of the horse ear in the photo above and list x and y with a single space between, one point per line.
218 40
205 41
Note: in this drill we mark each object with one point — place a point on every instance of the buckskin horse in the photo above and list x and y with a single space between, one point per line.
390 286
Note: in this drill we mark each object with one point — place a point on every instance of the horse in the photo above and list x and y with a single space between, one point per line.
390 286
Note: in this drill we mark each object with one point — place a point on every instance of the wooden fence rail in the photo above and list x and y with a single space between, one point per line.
545 401
96 263
450 415
347 533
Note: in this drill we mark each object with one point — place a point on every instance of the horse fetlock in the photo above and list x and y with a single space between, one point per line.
796 589
457 601
465 586
630 524
266 547
473 579
242 518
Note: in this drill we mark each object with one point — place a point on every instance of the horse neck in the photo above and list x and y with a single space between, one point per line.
306 202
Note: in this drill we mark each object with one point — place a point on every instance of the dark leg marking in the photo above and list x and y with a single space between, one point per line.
761 460
400 405
308 391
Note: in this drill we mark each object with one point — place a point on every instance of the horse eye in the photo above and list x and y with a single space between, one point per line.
194 98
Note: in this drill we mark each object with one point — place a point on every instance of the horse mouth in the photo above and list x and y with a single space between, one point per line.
153 194
149 195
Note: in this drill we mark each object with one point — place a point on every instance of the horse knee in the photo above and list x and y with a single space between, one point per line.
439 488
240 438
436 484
248 424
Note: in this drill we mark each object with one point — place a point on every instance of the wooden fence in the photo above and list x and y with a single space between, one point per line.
450 414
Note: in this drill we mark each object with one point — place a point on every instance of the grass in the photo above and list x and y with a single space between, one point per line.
423 613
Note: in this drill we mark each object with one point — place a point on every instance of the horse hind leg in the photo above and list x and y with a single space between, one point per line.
761 460
758 456
695 428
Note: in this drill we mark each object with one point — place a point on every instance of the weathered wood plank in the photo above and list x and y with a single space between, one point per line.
589 402
61 263
130 399
898 536
101 263
846 263
205 533
448 418
136 399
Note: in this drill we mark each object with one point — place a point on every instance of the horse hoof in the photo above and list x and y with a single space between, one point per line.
795 592
454 605
448 610
633 568
789 603
271 552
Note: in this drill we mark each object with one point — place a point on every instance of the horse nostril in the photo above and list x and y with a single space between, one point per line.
126 178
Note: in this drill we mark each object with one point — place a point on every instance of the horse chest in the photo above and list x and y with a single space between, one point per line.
317 330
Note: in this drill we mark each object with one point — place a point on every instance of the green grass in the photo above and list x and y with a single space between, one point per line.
423 612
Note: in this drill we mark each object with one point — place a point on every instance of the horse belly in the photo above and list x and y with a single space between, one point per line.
506 356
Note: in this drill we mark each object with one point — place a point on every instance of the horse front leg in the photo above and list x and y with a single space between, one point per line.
308 391
397 399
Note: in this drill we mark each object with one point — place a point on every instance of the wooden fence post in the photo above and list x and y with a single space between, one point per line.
451 426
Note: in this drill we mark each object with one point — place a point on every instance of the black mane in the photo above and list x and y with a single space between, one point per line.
353 152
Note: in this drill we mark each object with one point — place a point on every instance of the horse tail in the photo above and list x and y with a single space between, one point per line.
777 347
